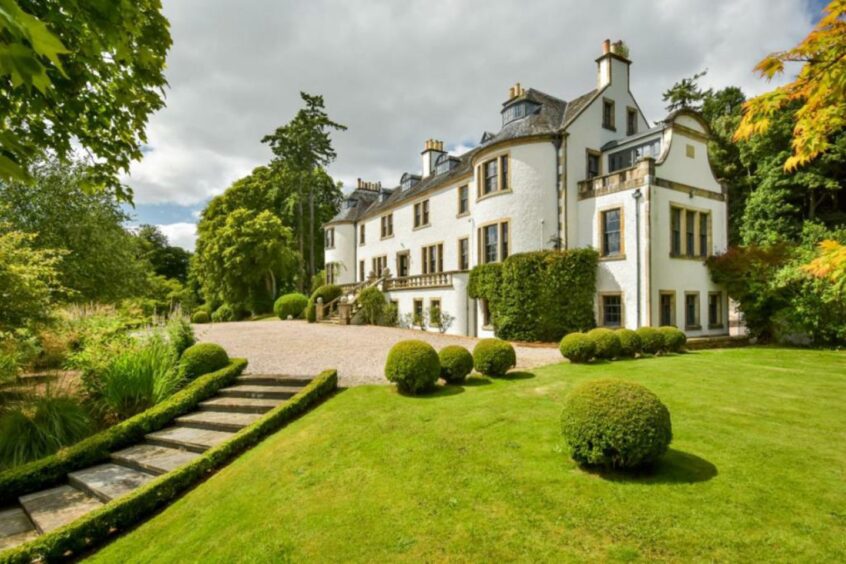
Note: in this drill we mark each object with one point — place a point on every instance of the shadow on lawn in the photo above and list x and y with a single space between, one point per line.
439 391
517 375
676 467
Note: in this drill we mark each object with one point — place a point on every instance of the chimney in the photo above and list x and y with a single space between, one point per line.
515 91
613 64
606 46
432 148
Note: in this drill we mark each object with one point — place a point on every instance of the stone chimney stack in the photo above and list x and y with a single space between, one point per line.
613 64
432 148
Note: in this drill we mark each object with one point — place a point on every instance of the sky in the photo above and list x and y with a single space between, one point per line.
400 72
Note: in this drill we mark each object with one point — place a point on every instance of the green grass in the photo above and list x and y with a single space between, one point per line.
757 471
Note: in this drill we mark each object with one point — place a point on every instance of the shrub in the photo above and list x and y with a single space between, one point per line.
615 424
577 347
651 340
53 348
293 304
200 316
390 316
372 302
493 357
607 343
413 366
180 334
456 363
202 358
674 338
328 292
223 313
630 344
8 367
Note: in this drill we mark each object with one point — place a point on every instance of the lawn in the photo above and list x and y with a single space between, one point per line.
756 471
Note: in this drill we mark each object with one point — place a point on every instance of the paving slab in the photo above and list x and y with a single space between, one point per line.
274 380
50 509
260 391
109 481
217 420
153 458
240 405
15 528
188 438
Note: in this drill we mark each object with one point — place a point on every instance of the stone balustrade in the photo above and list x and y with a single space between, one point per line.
619 180
435 280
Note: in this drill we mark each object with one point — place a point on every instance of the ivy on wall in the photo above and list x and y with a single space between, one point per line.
538 296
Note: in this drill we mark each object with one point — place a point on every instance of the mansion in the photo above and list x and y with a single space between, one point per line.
589 172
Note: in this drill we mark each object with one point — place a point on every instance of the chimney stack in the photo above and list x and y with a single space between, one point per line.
606 46
613 64
431 149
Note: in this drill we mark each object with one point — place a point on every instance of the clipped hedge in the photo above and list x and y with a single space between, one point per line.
293 304
456 363
201 316
651 340
127 511
52 470
630 343
413 365
577 347
328 292
202 358
607 343
674 338
538 296
494 357
223 314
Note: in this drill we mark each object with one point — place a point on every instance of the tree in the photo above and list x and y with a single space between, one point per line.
819 90
79 73
302 148
685 94
166 260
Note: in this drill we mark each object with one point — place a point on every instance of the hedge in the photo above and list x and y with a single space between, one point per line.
538 296
129 510
202 358
292 304
52 470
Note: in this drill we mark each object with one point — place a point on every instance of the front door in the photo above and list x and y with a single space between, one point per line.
402 264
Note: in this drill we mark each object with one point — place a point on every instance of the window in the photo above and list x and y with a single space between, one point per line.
361 234
631 121
503 170
675 231
490 243
418 310
379 265
690 227
402 264
494 242
329 243
611 224
593 160
691 310
434 311
667 304
486 313
331 272
362 275
421 214
715 309
463 199
433 258
628 157
491 179
611 306
696 228
464 254
608 114
503 228
517 111
703 235
387 225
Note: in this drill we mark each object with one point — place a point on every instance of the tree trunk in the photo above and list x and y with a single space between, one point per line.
311 231
272 281
301 222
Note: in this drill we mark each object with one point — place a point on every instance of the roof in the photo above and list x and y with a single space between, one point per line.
547 120
362 198
630 138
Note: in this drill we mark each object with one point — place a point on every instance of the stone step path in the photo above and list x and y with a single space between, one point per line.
214 421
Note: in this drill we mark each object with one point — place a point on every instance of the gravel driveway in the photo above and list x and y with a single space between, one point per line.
358 352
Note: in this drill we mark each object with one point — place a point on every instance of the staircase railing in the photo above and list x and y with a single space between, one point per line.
330 309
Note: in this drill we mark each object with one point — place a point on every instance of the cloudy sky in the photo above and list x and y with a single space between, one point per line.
399 72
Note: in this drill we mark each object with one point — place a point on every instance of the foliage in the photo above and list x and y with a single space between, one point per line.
674 338
8 367
390 316
830 263
494 357
413 366
79 74
615 424
327 293
820 87
180 333
202 358
651 340
130 509
290 305
630 343
456 363
685 94
39 425
441 320
223 313
201 316
607 343
577 347
318 280
373 303
166 260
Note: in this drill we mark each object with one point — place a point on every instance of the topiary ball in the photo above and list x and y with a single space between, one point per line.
630 344
651 340
493 357
607 343
201 316
293 304
223 313
577 347
674 338
456 363
202 358
413 366
615 424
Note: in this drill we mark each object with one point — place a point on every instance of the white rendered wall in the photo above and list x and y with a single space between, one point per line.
343 254
454 301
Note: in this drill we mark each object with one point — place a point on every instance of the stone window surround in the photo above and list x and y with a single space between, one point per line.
600 309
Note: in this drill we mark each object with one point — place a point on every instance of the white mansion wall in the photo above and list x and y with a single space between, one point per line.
343 254
454 301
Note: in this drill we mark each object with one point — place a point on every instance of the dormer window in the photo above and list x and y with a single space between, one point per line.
518 111
408 181
350 203
445 163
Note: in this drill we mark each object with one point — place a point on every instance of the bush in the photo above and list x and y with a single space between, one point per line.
372 302
456 363
201 359
293 304
577 347
200 316
8 367
615 424
223 313
180 334
328 292
630 344
674 338
493 357
607 343
651 340
390 317
413 366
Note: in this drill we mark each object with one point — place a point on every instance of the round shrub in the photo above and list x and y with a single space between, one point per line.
202 358
456 363
413 366
674 338
293 304
223 313
651 340
493 357
577 347
607 343
328 292
372 302
615 424
630 344
201 316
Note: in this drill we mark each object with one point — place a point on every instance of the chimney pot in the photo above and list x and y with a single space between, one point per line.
606 46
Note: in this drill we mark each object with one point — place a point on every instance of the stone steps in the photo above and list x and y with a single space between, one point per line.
50 509
260 391
154 459
272 380
188 438
15 527
109 481
239 405
217 420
